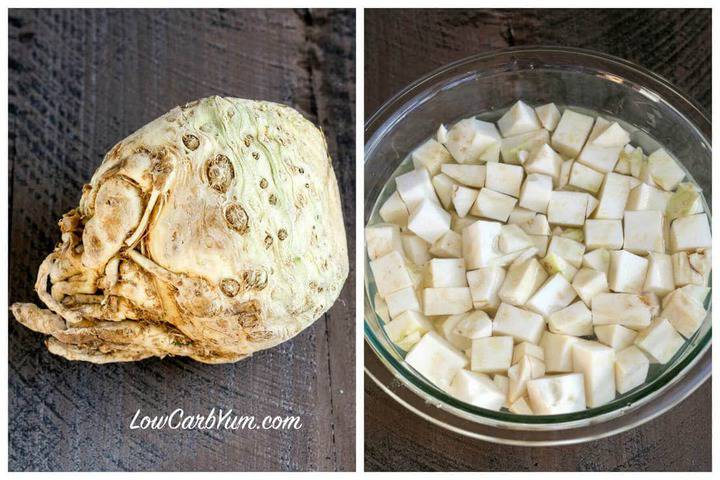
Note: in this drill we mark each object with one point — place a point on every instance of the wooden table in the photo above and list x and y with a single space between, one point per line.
79 82
402 46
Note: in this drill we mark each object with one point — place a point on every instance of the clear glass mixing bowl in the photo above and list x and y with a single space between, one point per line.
659 115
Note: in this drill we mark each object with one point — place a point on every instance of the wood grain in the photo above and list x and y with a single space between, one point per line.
78 82
402 45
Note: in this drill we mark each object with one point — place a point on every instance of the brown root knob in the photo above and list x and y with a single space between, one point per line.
272 199
268 241
237 218
263 183
220 173
282 234
256 279
249 314
230 287
191 141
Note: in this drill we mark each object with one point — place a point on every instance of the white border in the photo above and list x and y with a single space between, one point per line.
359 238
4 220
716 230
360 117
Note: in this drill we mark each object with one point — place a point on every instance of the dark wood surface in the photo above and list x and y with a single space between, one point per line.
401 46
79 81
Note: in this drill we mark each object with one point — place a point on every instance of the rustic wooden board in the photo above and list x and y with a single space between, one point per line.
401 46
79 82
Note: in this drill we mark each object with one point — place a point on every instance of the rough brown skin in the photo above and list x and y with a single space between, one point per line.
213 232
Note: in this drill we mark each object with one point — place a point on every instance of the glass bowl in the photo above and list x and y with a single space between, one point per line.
657 113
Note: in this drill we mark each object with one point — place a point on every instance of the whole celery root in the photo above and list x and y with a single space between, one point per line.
213 232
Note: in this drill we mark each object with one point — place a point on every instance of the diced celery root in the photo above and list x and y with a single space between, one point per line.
541 263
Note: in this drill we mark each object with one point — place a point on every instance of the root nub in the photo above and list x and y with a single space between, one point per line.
190 141
230 287
237 218
220 173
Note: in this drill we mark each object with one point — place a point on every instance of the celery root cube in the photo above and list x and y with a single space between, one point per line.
571 132
504 178
614 194
430 156
526 348
644 232
401 301
567 248
627 272
382 239
549 116
585 178
690 233
394 210
520 118
557 394
606 234
575 320
470 138
567 208
535 193
588 283
446 272
406 324
647 197
545 161
659 340
597 364
390 273
477 389
511 147
469 175
416 249
493 205
558 351
684 313
435 359
478 243
484 285
664 170
447 246
520 324
659 277
555 294
521 281
624 309
443 187
616 337
414 187
491 354
429 221
446 301
631 369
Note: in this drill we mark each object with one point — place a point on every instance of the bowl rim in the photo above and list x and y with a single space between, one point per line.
578 420
427 77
